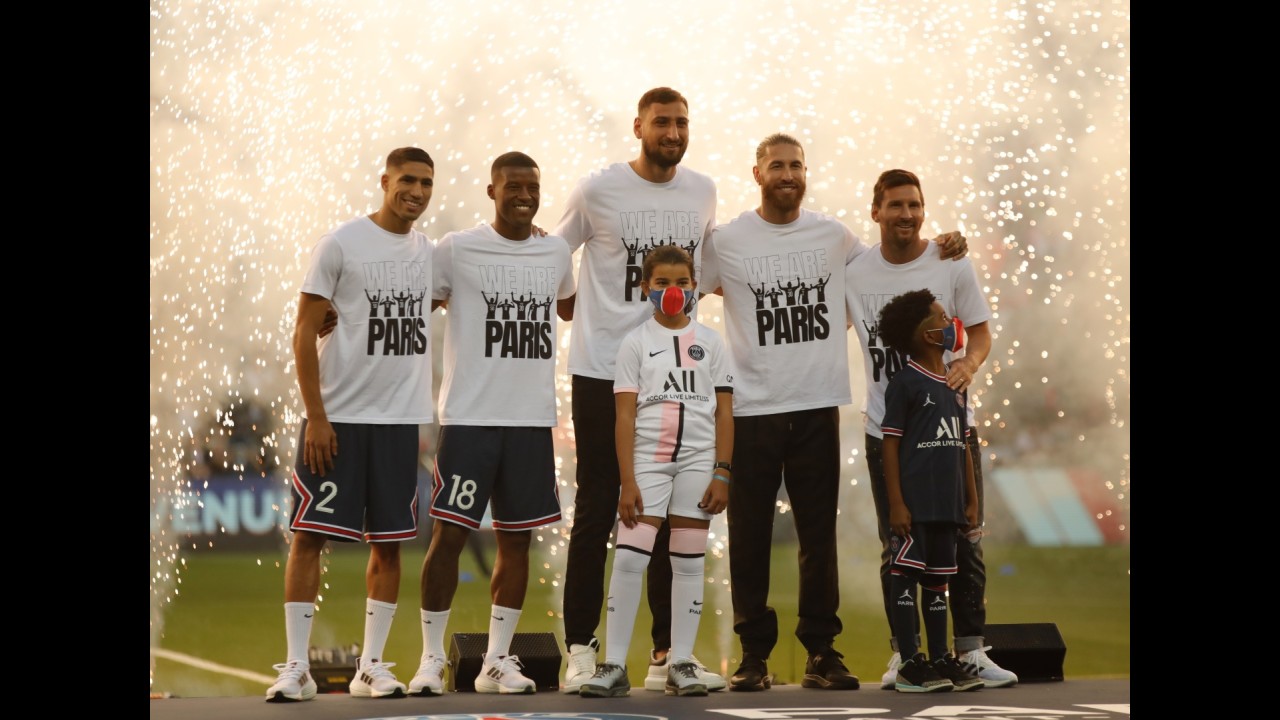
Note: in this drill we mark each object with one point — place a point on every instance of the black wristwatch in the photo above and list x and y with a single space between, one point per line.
725 465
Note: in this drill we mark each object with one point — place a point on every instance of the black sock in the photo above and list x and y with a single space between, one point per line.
903 591
934 598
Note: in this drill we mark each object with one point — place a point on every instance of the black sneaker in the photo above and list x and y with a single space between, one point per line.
961 680
752 674
917 676
826 670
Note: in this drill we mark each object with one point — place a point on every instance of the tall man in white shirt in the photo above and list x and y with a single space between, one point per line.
617 216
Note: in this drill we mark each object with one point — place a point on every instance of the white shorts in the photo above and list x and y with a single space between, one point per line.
675 488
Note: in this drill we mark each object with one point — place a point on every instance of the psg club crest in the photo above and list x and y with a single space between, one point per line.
696 352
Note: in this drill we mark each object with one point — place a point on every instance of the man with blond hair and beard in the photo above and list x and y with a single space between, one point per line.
792 366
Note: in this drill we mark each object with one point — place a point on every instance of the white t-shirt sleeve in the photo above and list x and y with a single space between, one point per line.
721 370
627 365
575 224
705 251
853 245
568 285
709 279
442 269
971 305
325 268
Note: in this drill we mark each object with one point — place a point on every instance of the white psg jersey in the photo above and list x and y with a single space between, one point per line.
872 281
784 309
375 367
675 375
618 218
500 344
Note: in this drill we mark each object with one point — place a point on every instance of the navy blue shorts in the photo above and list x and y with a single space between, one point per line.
512 469
929 549
372 491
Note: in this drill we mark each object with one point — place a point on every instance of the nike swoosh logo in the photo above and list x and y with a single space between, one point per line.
656 353
305 615
495 617
368 612
695 602
427 622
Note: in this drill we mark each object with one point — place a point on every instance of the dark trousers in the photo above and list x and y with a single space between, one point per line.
802 450
968 586
595 508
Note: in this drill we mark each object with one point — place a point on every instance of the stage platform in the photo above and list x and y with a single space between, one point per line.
1068 700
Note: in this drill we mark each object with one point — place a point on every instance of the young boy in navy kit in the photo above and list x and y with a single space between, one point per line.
929 478
674 437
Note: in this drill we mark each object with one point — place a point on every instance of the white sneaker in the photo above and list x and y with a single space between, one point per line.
993 676
607 681
656 679
581 665
293 683
889 680
429 679
504 676
374 679
683 680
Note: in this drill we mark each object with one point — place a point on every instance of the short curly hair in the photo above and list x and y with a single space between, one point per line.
902 316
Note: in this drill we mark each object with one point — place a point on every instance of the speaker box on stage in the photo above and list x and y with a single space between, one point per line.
1034 651
333 668
538 652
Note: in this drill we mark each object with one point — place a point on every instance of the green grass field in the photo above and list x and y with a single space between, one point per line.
227 610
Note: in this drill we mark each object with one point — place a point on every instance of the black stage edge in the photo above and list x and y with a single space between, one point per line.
1069 700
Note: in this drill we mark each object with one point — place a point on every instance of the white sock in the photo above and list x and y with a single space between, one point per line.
630 559
377 626
297 630
686 605
688 562
433 630
502 627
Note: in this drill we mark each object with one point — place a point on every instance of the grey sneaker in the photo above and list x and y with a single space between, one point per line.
656 679
918 676
961 679
683 680
608 680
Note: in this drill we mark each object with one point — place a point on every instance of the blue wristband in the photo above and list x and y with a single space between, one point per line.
722 478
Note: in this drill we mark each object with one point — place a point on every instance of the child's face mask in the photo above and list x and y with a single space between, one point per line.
673 300
953 336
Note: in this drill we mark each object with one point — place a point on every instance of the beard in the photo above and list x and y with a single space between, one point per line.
785 203
654 154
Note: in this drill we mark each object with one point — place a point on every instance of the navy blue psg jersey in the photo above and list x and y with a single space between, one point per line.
930 419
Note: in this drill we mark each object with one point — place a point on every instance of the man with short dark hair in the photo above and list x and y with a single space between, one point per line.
497 411
365 388
617 216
